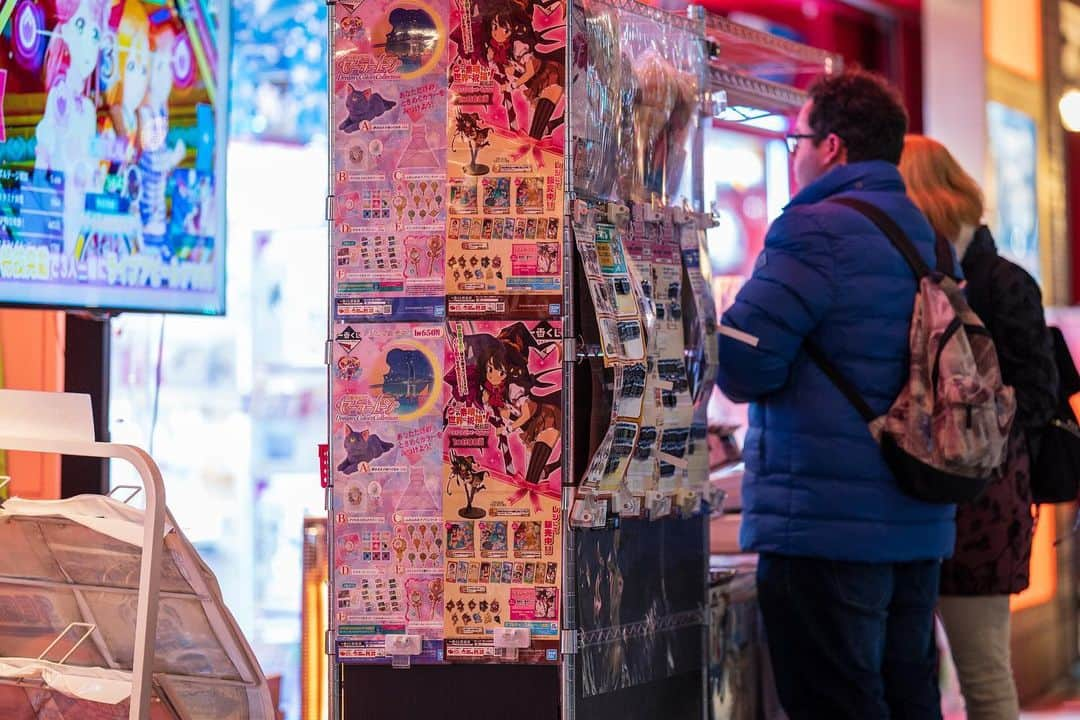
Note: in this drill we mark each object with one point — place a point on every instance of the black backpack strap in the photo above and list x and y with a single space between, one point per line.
903 245
944 255
846 388
891 230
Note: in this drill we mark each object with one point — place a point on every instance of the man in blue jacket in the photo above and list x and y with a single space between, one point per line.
848 569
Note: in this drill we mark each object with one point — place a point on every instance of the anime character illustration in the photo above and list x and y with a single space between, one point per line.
526 538
349 367
459 537
66 133
408 377
530 195
501 384
157 159
544 608
522 59
547 258
363 106
496 199
129 83
493 536
360 449
469 477
475 134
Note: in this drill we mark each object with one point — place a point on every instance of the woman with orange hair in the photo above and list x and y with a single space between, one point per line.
994 532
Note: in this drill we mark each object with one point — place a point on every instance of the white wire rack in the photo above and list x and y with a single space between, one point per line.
63 423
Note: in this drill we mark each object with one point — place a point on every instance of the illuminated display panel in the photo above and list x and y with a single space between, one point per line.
110 162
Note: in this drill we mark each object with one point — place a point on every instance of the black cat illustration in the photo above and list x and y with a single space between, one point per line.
361 448
363 106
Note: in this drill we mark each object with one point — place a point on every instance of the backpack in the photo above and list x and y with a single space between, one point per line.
1055 471
947 431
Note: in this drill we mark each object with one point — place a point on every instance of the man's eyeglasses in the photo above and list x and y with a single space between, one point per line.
794 138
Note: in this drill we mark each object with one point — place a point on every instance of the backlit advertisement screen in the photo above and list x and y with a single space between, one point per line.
111 158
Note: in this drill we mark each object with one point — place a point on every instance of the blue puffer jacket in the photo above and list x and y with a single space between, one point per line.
815 482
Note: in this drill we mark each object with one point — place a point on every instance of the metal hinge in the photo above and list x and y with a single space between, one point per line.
570 350
568 642
329 198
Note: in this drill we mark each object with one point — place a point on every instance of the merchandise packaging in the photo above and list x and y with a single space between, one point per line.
644 471
701 348
79 561
389 159
502 471
506 136
638 78
599 96
386 461
618 301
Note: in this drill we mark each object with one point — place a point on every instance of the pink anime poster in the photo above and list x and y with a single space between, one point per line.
506 132
386 454
502 470
389 159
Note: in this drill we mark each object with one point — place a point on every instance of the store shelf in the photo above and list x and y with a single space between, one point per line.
761 73
748 92
744 48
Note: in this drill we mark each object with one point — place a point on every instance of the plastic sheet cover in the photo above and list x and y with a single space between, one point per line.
635 82
640 590
57 570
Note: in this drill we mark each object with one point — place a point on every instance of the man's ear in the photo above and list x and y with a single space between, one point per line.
836 150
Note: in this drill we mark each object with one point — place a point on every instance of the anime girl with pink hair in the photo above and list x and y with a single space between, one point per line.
67 131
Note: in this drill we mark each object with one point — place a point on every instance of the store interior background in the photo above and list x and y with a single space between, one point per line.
234 407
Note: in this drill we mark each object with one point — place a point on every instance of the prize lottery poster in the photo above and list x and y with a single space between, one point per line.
109 156
386 461
389 159
506 134
502 470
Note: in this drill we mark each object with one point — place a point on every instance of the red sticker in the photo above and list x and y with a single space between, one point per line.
324 464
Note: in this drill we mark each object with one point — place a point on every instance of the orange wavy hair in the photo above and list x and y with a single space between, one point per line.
948 196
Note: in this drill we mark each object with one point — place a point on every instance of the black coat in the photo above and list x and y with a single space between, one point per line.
993 533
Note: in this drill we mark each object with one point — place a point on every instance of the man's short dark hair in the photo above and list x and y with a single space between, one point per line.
862 109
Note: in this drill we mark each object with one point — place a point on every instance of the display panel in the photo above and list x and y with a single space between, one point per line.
389 161
503 465
111 168
388 539
506 130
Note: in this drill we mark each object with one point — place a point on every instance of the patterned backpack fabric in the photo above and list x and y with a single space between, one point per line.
947 431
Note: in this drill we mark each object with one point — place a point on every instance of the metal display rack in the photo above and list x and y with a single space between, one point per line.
741 71
760 73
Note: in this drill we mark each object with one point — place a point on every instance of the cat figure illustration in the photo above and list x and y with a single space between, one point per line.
363 106
361 448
